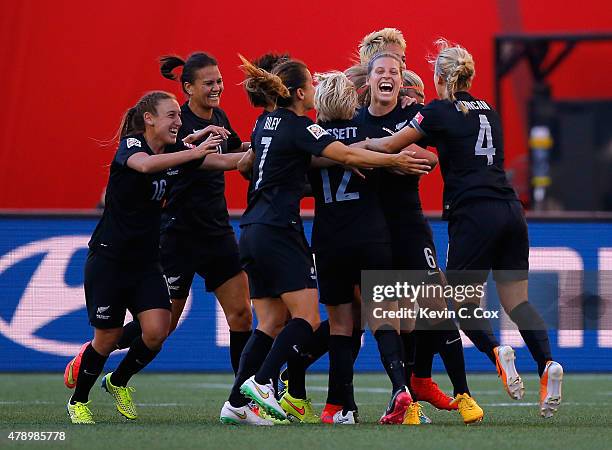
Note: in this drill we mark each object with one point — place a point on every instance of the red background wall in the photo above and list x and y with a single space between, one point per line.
70 69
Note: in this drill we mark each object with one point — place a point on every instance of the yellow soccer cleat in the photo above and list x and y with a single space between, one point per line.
122 396
298 410
415 416
468 408
80 413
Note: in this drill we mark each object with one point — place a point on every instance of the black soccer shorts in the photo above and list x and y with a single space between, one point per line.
113 287
339 270
216 259
277 260
484 235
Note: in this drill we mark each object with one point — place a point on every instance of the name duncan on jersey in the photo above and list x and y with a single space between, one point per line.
472 105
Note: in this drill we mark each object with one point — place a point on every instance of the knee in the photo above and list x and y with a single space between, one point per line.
271 328
240 319
155 337
313 320
104 342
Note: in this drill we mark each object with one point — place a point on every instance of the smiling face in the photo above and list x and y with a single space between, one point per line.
385 80
309 91
166 123
206 89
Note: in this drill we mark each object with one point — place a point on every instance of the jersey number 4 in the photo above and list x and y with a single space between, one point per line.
341 194
485 132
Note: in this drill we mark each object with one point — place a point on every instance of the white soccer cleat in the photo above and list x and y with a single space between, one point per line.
350 418
550 389
243 415
504 361
263 395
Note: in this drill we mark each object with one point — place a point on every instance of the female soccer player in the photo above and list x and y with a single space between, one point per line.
197 236
412 243
349 235
122 269
487 228
273 248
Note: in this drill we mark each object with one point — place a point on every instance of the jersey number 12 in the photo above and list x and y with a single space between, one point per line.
485 132
341 194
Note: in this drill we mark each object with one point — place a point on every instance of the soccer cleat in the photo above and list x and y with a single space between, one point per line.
415 415
468 408
350 418
298 410
265 415
550 389
396 411
80 413
283 383
427 390
243 415
122 396
72 368
263 395
327 415
504 362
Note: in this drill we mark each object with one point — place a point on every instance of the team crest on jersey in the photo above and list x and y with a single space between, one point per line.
401 125
316 131
133 142
419 117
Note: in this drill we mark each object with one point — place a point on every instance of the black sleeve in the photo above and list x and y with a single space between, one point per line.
310 137
128 147
428 121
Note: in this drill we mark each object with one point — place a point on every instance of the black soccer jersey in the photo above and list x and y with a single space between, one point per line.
347 207
129 227
470 149
399 193
283 146
196 202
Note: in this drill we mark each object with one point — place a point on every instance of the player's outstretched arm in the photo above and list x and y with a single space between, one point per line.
394 143
225 161
145 163
359 157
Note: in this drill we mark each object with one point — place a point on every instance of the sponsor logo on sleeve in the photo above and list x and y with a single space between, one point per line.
401 125
133 142
316 131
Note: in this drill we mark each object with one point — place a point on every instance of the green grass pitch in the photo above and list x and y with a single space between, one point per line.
182 410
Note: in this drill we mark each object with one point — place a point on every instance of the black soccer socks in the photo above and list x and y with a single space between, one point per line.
478 330
255 351
92 364
137 358
533 330
238 340
292 339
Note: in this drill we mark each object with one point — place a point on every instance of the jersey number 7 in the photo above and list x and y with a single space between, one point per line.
485 132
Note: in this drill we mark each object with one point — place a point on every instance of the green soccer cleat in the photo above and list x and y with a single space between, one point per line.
80 413
263 395
122 396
